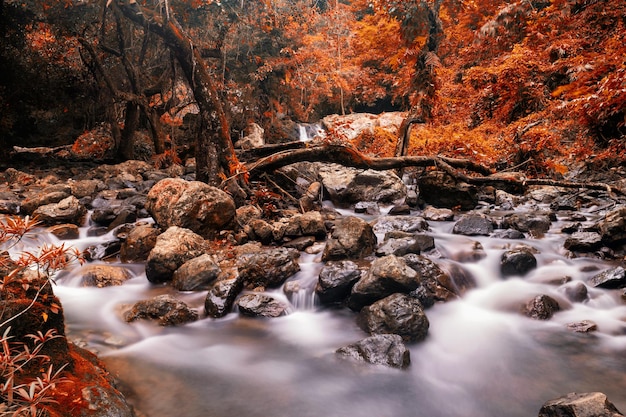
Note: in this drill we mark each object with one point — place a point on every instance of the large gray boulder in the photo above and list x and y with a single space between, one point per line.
408 224
441 190
194 205
336 280
610 278
138 243
196 274
173 248
537 224
590 404
542 307
104 275
474 224
68 210
49 195
266 267
352 238
261 305
387 275
397 314
346 186
437 283
613 227
517 262
165 309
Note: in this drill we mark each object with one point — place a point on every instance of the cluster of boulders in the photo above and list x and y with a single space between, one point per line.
384 269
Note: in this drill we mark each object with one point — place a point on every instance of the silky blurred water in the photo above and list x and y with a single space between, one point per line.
481 358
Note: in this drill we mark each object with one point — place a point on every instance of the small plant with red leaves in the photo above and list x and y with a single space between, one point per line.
28 377
267 200
24 395
167 159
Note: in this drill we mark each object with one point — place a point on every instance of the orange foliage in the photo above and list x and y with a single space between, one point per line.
96 143
379 142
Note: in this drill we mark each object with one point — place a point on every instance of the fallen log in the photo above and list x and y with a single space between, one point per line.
349 156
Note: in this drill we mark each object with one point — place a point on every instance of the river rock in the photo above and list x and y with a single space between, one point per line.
400 244
505 200
584 326
400 210
379 349
613 226
311 198
473 225
611 278
583 242
397 314
173 248
10 203
542 307
387 275
261 305
222 294
576 292
99 397
49 195
310 223
248 212
104 275
66 231
167 310
438 283
254 137
140 240
517 262
196 274
441 190
438 214
335 281
193 205
260 230
86 188
114 215
300 243
346 185
367 207
68 210
409 224
589 404
352 237
534 223
508 234
266 267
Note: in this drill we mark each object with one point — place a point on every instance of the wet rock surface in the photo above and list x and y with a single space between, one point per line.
388 285
592 404
165 309
380 349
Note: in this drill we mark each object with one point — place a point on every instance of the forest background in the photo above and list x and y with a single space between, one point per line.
538 85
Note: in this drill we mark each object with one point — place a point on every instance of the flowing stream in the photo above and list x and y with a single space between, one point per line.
481 358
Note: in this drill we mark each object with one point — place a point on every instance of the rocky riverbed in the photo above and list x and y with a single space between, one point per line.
393 267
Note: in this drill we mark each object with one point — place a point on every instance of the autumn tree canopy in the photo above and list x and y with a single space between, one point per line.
538 84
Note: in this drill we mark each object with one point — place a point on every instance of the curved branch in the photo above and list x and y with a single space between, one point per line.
348 156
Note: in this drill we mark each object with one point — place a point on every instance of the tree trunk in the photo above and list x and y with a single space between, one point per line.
215 155
424 80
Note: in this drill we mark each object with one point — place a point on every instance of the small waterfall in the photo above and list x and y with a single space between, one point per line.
310 131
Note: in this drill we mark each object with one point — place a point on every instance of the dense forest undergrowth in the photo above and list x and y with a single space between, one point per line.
538 86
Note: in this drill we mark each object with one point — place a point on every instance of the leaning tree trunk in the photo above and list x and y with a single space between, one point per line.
215 155
424 80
